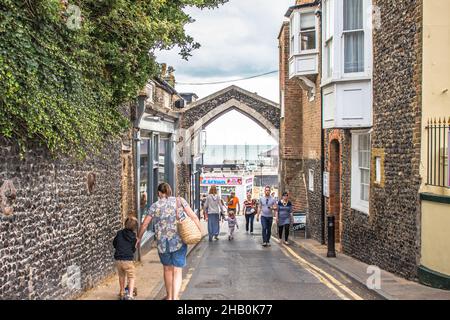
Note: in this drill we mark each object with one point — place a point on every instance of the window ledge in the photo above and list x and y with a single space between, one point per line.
307 53
361 208
347 79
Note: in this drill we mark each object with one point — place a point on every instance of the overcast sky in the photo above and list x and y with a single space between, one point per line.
239 39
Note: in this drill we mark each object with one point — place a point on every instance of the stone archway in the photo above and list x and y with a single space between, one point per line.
264 112
198 115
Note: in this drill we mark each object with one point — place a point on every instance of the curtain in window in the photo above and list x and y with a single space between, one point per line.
354 36
353 14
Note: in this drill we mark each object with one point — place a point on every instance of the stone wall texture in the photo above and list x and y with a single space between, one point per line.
390 235
58 227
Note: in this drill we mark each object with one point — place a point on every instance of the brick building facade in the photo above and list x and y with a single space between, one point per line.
300 135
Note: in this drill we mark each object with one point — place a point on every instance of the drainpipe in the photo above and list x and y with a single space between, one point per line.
322 164
322 138
137 159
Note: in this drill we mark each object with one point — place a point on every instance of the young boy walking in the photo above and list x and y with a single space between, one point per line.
125 245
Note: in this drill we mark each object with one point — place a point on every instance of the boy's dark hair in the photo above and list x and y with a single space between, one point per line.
131 223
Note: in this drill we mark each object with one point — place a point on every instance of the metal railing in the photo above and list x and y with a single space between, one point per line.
438 137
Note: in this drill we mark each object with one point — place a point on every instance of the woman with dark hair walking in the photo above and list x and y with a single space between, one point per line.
284 217
212 211
171 249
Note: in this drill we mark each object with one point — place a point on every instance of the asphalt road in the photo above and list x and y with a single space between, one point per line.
242 269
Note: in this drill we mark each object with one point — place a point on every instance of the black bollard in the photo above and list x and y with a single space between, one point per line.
331 248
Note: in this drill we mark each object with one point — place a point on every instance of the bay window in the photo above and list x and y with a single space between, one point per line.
304 53
347 63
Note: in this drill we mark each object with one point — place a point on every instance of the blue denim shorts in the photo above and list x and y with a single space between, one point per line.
176 258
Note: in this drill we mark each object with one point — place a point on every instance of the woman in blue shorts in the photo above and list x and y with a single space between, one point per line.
171 249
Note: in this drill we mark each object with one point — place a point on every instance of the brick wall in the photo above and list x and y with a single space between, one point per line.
300 140
57 223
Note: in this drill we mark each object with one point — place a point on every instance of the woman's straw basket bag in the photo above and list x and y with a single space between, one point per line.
187 229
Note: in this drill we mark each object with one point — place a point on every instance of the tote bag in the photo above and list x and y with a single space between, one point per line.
187 229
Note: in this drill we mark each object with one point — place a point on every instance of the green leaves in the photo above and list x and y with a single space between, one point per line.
66 67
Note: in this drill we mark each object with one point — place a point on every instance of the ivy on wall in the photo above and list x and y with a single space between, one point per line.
66 66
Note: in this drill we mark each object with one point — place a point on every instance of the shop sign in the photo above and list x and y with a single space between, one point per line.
218 181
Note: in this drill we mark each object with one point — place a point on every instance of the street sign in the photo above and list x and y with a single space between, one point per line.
299 222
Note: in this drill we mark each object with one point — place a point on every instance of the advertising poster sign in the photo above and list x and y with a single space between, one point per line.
219 181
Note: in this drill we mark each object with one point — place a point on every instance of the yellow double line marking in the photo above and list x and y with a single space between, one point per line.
327 279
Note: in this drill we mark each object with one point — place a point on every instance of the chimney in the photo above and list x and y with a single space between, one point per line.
170 76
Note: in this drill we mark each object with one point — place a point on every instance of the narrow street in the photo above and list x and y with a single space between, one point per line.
244 270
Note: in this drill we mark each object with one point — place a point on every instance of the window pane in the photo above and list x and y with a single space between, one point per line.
292 45
354 52
329 56
162 172
329 19
365 192
155 148
308 40
143 187
353 14
307 21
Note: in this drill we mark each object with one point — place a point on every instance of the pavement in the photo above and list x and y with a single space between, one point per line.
391 286
242 269
149 278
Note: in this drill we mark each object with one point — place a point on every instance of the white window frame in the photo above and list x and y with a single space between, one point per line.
356 202
282 105
328 39
292 34
316 28
151 88
311 180
344 32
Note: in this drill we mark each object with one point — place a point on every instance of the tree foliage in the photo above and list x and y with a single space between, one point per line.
66 66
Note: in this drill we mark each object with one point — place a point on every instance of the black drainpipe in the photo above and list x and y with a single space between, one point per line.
322 164
322 138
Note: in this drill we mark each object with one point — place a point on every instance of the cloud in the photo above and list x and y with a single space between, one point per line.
238 39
